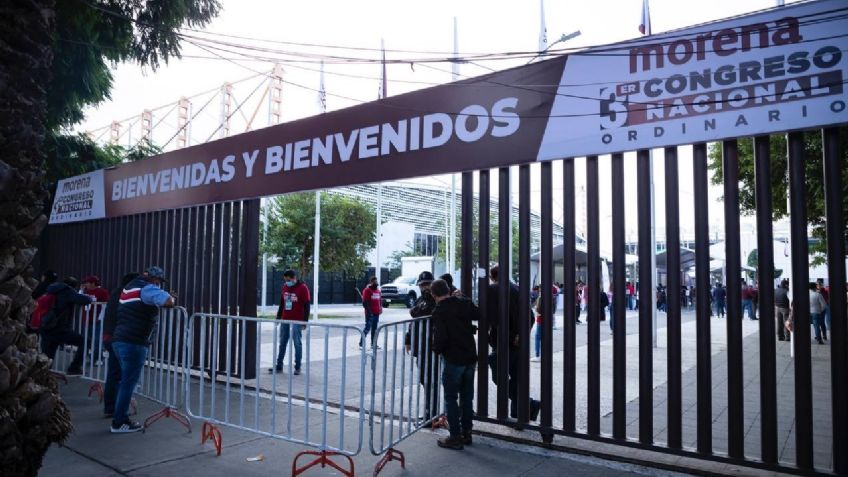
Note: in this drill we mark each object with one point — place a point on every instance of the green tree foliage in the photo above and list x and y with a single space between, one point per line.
494 239
347 232
89 37
814 179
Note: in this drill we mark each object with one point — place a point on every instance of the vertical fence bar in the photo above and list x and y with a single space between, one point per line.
673 269
619 312
569 368
800 302
765 270
595 288
733 260
523 401
646 278
467 233
484 209
834 198
702 300
547 283
504 225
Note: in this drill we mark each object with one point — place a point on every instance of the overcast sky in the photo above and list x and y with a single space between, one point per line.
483 26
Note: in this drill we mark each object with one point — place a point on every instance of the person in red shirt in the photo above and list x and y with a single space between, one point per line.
91 287
294 306
373 304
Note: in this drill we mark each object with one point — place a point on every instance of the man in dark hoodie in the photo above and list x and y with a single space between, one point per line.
453 339
56 330
416 341
113 366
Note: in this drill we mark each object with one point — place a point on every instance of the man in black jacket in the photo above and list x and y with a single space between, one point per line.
453 339
416 341
57 329
493 309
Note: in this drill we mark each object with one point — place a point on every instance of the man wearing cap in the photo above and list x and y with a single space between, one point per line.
138 312
91 287
294 306
416 341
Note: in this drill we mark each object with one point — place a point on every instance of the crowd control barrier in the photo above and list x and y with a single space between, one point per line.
405 386
86 321
234 382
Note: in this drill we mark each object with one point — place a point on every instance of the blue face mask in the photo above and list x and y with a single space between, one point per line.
290 283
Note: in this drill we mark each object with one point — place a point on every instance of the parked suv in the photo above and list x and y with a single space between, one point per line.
402 290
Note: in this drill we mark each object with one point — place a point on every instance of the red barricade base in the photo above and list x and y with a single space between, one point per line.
390 455
323 458
168 412
211 432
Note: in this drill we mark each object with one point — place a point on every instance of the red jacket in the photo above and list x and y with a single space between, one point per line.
101 295
372 300
294 302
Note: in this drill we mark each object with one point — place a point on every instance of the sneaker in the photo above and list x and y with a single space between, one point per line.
819 341
452 442
126 428
296 372
275 370
73 372
466 438
535 359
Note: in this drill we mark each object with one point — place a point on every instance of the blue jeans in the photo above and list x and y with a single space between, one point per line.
748 305
719 307
817 320
538 339
287 330
371 322
458 381
131 357
113 378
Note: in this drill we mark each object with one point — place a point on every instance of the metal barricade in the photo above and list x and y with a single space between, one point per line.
229 359
405 386
163 376
86 329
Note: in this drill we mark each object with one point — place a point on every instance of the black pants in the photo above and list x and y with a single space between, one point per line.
512 373
113 378
428 376
50 342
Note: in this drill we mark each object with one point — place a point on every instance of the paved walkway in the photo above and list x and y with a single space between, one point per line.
166 449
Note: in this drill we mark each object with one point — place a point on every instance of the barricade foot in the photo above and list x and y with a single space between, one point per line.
390 455
98 389
323 458
168 412
211 432
440 422
59 376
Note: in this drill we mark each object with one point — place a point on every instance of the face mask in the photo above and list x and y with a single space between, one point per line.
373 286
290 283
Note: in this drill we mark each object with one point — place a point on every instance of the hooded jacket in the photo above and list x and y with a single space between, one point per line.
63 309
453 330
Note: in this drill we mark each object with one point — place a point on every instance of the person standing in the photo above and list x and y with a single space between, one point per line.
748 301
453 339
537 308
57 326
417 341
373 304
817 308
578 301
138 313
113 364
294 306
781 309
493 308
825 293
719 298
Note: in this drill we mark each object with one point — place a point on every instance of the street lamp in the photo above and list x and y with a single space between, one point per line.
565 37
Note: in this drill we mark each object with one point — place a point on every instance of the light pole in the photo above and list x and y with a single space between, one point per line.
565 37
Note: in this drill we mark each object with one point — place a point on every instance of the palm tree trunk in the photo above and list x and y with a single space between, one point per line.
32 414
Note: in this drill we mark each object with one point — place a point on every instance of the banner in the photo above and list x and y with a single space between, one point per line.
771 71
79 198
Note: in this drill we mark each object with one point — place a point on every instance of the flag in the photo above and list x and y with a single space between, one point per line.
645 26
543 30
322 92
383 80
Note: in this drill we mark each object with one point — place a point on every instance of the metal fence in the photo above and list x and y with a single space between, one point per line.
310 405
163 375
727 402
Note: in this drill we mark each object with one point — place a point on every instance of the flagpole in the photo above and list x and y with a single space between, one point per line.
452 220
378 266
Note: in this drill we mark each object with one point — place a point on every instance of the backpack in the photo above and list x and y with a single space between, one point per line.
44 307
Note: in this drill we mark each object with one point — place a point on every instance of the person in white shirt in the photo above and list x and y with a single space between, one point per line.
817 308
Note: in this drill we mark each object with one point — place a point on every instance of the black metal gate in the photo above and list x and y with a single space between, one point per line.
679 416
